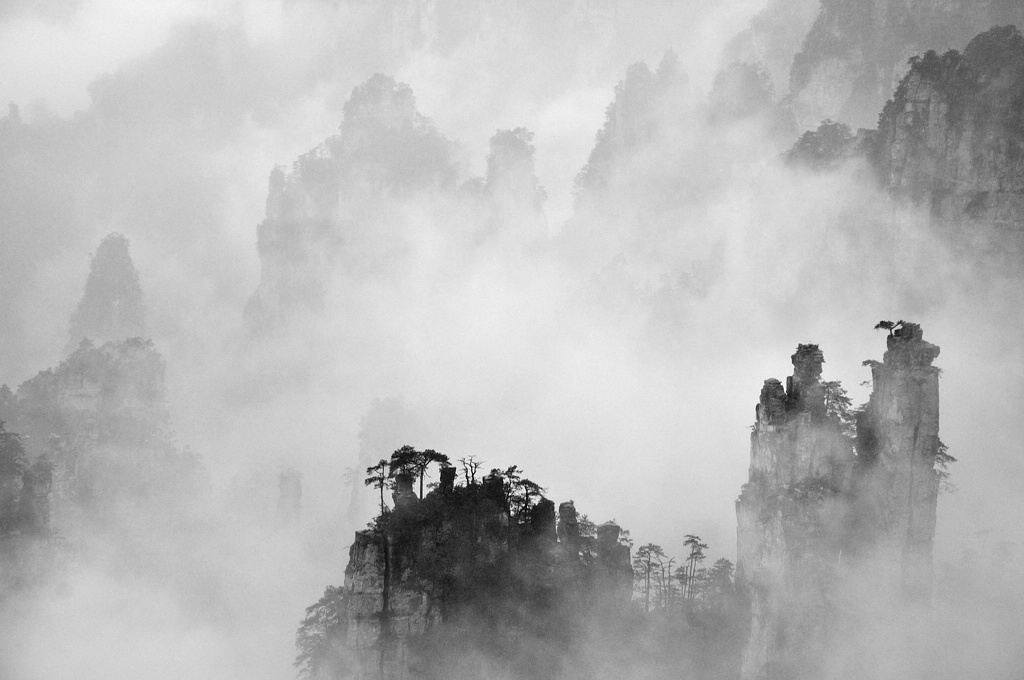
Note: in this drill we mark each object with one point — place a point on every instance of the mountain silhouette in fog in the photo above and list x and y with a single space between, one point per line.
111 309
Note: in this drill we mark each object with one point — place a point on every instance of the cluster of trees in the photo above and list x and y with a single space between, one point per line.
519 493
404 461
689 586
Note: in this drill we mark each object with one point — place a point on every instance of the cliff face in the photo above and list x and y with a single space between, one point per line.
856 51
897 485
815 518
790 519
459 585
952 138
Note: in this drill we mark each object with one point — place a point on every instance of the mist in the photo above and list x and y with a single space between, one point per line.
610 340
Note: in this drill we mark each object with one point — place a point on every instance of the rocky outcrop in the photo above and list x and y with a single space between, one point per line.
339 207
790 520
897 485
952 139
856 52
818 521
459 582
101 419
516 197
111 309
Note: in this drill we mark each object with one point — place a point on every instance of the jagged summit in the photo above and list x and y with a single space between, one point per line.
337 207
111 308
825 514
644 101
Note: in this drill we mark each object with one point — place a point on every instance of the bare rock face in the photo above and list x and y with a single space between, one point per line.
817 521
952 139
382 611
897 484
790 516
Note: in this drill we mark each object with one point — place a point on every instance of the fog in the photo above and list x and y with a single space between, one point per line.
615 353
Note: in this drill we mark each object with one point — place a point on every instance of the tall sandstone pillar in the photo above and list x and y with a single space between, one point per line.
827 536
897 485
790 515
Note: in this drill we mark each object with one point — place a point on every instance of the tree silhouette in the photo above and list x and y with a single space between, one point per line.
892 326
643 562
424 461
695 557
470 466
415 463
320 637
377 477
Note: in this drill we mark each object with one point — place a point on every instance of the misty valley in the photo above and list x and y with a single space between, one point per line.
385 341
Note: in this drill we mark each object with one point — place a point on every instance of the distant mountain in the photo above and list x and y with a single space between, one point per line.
855 53
951 139
101 420
111 309
353 206
342 197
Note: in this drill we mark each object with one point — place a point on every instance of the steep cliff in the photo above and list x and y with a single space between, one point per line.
819 524
472 580
897 483
952 138
855 52
791 516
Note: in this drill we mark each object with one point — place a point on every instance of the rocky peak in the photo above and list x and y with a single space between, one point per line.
906 346
338 210
952 136
433 571
380 104
855 52
511 173
814 518
111 308
897 484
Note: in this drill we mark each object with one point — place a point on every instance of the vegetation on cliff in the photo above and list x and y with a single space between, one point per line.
482 576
